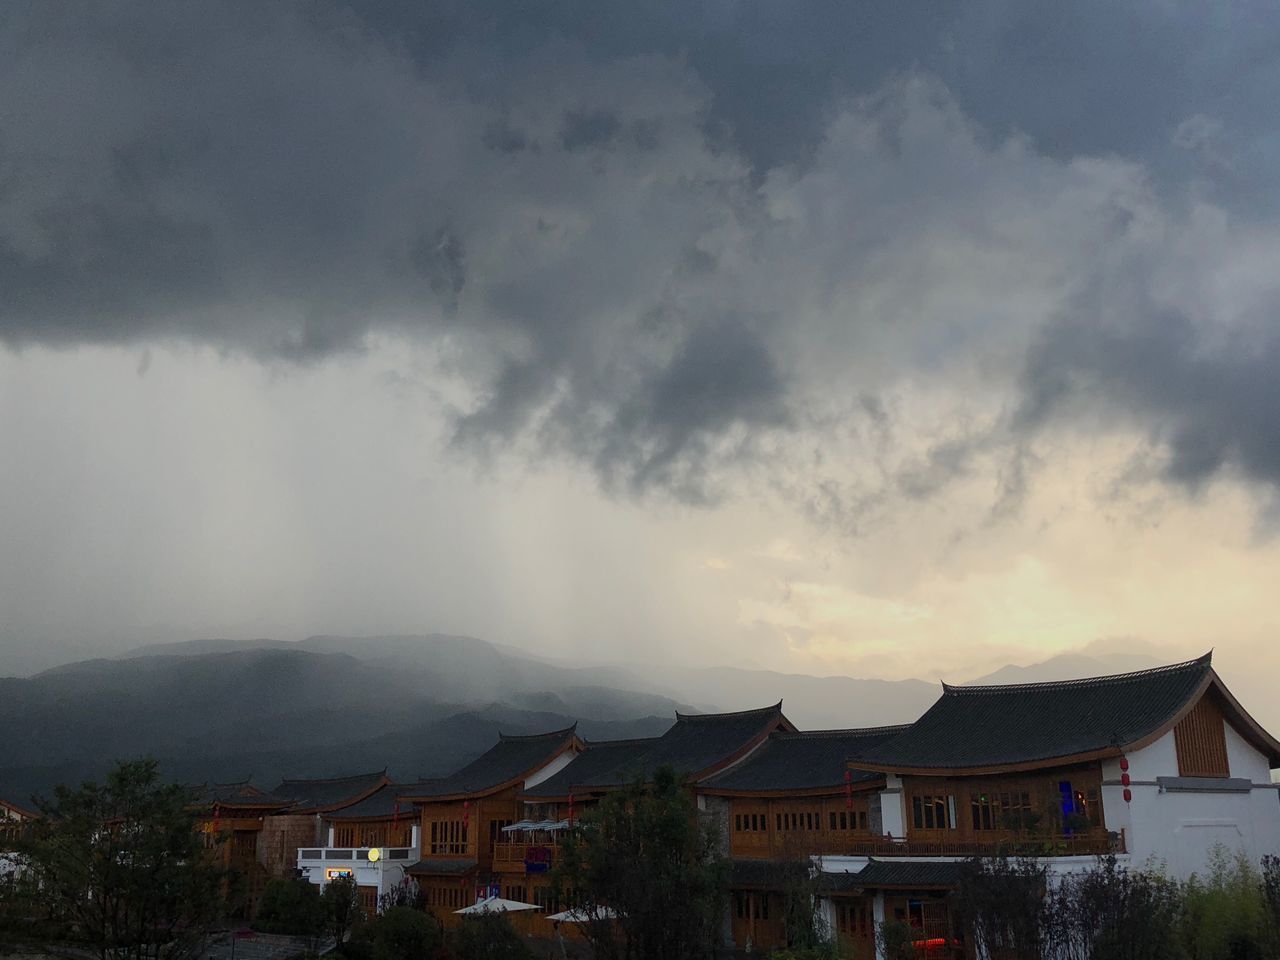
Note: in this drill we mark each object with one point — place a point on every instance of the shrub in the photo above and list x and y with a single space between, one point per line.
490 936
290 906
400 933
1227 915
896 939
1110 913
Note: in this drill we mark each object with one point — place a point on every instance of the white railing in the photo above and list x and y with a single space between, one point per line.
318 855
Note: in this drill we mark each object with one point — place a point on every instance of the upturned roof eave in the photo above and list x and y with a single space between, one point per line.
574 743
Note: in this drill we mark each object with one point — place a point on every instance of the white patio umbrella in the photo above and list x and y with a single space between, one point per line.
497 905
581 916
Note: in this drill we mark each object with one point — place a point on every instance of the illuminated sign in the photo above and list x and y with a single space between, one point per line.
333 873
374 854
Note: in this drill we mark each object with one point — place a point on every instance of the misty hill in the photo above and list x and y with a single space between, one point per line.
419 705
479 671
275 712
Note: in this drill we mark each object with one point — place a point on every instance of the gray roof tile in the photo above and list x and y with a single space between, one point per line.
615 761
802 761
331 793
506 760
988 726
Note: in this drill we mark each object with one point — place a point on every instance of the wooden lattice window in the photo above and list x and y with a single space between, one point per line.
933 812
1201 741
448 837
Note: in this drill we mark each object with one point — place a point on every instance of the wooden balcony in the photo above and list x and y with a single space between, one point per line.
1092 844
514 856
11 831
801 844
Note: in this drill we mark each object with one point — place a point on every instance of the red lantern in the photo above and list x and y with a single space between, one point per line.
1124 780
1124 763
848 790
1128 795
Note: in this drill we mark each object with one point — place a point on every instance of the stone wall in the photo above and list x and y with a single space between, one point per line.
281 837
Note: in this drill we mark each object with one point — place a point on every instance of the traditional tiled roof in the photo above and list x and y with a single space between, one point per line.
331 794
898 874
697 745
616 761
441 868
239 794
382 803
22 809
508 760
810 760
765 874
997 726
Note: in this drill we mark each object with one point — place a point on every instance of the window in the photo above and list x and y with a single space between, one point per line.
344 836
517 892
1201 743
853 919
1002 807
986 811
933 812
751 906
496 836
545 898
796 820
450 897
448 837
750 822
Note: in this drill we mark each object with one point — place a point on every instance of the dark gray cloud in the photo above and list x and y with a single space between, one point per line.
1208 402
658 232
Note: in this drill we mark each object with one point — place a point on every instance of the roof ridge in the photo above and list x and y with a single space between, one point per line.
845 732
761 711
629 742
548 735
353 776
964 689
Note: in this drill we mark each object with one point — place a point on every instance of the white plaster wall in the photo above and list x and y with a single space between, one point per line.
893 813
1181 829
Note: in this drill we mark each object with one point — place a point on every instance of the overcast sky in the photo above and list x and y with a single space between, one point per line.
887 338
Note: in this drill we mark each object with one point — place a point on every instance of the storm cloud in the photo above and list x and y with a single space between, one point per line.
672 242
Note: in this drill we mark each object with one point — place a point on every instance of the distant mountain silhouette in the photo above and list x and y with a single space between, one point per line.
1070 666
291 711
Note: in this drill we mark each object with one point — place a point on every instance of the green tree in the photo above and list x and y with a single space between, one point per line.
896 940
341 900
1001 902
1111 913
490 936
806 931
644 856
1227 915
290 906
123 863
399 933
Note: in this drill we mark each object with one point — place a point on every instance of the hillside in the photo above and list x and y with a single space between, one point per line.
274 712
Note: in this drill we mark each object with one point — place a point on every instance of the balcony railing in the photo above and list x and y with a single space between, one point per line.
315 855
800 844
1094 843
11 831
516 856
